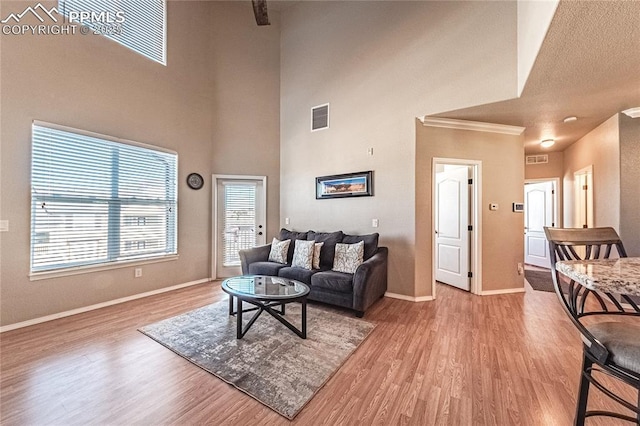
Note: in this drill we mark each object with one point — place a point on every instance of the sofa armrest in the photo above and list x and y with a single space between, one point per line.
256 254
370 280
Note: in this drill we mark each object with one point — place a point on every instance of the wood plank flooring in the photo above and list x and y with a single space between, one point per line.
458 360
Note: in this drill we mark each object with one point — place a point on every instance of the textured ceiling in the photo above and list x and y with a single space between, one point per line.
588 67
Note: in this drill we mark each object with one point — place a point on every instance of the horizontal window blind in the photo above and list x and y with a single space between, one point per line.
239 220
142 30
96 201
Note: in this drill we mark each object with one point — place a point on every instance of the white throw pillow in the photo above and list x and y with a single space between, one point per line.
303 254
279 251
348 257
316 255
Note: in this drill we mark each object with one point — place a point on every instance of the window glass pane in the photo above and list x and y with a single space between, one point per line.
136 24
239 220
96 200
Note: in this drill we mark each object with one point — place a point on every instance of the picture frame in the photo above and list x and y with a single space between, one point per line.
345 185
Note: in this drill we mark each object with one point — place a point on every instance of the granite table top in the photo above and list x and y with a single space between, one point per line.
620 276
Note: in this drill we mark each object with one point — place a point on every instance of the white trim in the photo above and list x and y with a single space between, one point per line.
408 298
99 306
450 123
476 221
503 291
214 213
45 275
101 136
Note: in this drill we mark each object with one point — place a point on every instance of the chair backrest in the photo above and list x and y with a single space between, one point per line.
583 244
563 243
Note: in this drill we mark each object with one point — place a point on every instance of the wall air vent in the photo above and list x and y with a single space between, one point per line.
537 159
320 117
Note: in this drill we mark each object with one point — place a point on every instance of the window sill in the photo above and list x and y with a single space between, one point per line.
36 276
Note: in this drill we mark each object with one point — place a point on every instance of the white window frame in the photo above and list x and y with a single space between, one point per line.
110 264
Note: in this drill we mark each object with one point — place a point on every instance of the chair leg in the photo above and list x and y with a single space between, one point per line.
583 392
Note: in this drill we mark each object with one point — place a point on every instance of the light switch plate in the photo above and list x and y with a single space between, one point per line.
493 206
374 223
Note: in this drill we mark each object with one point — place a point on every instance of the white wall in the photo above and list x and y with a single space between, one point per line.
380 65
534 18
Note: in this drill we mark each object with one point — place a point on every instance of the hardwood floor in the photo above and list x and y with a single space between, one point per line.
458 360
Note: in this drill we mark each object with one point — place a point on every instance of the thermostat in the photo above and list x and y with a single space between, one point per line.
518 207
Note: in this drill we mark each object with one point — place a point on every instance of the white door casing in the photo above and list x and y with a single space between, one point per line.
538 213
583 199
239 220
451 230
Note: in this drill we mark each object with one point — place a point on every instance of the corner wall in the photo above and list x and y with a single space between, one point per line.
630 184
600 148
502 183
380 65
218 96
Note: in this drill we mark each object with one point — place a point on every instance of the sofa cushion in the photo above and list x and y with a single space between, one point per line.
303 254
332 280
298 274
330 239
317 248
370 243
279 250
265 268
285 234
348 257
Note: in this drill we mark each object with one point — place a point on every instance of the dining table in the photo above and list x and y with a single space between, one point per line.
615 276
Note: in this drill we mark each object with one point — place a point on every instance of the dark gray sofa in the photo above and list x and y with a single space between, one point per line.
356 291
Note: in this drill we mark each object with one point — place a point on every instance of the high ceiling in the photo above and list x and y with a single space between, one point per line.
588 67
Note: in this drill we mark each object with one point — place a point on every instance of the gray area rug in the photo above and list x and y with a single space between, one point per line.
270 363
539 280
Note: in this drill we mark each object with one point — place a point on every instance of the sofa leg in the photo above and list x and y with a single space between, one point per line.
359 314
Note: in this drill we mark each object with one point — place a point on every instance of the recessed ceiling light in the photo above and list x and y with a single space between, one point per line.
547 143
632 112
570 119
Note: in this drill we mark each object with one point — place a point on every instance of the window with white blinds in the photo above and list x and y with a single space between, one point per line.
239 220
98 200
139 25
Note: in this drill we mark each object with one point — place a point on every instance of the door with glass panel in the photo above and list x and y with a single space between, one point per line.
239 222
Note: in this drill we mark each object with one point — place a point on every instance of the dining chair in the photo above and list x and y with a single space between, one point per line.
610 347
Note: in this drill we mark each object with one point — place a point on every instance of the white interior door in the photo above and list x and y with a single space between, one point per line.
240 216
451 232
538 213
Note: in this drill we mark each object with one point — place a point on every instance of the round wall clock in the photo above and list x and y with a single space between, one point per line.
195 181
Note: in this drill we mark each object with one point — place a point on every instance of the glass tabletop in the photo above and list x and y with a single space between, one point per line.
264 287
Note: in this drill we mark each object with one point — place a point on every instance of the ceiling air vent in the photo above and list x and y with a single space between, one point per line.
320 117
537 159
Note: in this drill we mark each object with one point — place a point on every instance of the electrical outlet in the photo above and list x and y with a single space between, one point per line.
4 225
137 273
374 223
286 221
520 268
370 151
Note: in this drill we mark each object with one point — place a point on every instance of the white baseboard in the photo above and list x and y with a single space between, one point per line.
98 306
409 298
503 291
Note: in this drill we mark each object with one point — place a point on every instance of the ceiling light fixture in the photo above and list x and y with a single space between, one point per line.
570 119
547 143
632 112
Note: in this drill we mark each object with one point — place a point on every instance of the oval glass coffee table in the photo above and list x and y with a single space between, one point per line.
266 293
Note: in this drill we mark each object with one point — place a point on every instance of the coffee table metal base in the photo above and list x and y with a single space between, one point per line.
267 306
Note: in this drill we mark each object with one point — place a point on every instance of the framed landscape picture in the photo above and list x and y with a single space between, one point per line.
346 185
